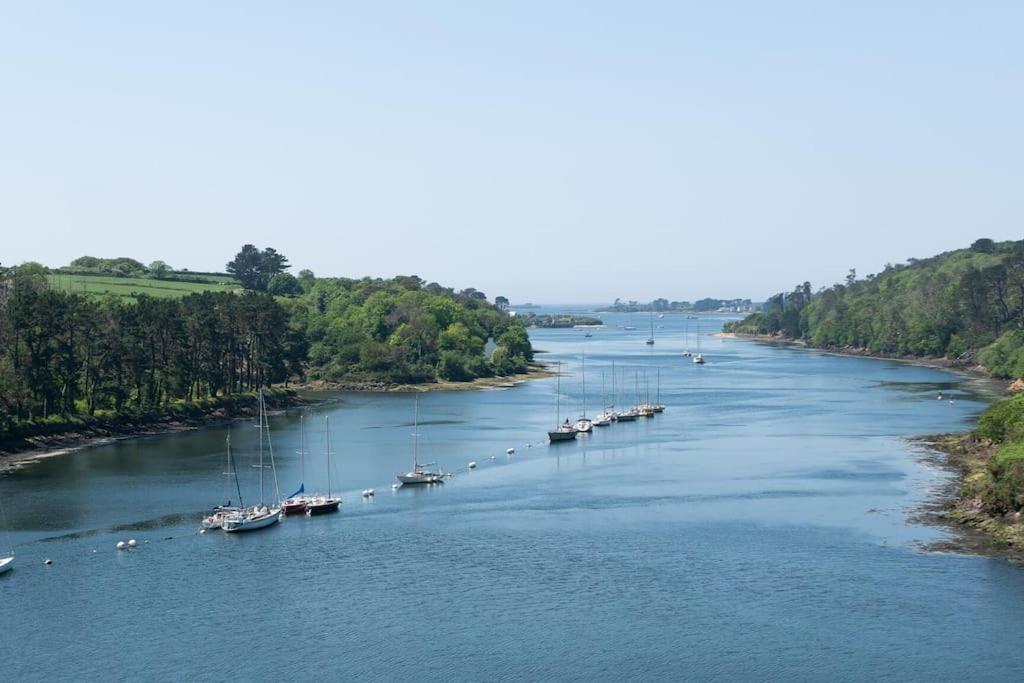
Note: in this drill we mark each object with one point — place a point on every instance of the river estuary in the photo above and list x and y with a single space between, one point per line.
758 529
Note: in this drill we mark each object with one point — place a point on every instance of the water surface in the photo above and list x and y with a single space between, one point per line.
758 529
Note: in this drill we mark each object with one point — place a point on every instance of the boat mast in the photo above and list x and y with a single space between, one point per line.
558 395
260 402
270 447
233 469
302 452
658 400
327 423
583 373
416 434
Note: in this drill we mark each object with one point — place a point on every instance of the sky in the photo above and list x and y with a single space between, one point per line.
544 151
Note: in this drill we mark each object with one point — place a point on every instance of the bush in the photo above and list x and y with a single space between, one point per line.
1003 420
1006 491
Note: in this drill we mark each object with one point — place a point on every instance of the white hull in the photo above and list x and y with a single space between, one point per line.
6 564
584 425
420 478
251 522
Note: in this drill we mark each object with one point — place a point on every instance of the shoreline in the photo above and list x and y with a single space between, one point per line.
975 372
18 453
954 507
958 508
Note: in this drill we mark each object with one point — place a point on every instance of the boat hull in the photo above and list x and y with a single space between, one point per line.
296 507
411 478
323 508
251 523
6 564
626 417
562 436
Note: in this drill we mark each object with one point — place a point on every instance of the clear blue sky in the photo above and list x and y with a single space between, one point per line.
547 151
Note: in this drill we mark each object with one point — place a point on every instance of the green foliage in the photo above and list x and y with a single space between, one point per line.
955 305
284 284
1005 492
255 268
403 330
1003 420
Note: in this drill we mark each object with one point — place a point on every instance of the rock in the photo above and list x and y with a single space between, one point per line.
1016 387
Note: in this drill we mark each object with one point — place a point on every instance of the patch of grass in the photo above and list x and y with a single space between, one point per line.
131 287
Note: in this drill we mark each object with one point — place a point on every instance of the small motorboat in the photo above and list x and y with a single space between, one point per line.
584 425
6 564
698 359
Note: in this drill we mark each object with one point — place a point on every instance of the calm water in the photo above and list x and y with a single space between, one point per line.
756 530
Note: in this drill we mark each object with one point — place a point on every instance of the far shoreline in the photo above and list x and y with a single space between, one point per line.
305 394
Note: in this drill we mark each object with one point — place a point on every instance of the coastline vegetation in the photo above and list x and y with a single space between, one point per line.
965 305
67 356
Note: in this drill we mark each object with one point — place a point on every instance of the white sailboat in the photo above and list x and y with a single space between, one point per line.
262 515
420 474
215 520
699 358
650 340
584 424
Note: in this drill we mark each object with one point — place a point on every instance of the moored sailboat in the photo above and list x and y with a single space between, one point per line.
561 432
320 505
420 473
262 515
215 520
297 503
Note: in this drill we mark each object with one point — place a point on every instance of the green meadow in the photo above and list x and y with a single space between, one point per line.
131 287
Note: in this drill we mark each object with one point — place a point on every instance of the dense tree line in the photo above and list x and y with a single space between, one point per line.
966 304
404 330
69 354
77 354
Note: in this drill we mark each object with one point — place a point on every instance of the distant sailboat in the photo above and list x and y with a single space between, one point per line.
650 340
699 358
584 425
561 432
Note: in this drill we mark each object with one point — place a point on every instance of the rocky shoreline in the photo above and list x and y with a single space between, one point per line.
960 507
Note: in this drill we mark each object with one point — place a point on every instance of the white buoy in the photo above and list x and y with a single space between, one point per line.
472 464
47 562
121 545
367 493
394 487
132 543
511 451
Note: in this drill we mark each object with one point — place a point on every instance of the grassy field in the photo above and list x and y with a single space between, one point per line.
130 287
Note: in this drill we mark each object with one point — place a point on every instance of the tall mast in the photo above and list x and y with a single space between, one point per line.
302 450
260 408
416 433
658 400
584 375
327 423
558 395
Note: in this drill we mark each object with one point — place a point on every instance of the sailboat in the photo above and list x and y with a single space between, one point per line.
699 358
605 417
686 337
650 340
561 432
215 520
262 515
419 474
630 414
6 561
296 503
584 425
319 505
658 407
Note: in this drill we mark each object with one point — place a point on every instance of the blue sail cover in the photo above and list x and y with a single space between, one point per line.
301 489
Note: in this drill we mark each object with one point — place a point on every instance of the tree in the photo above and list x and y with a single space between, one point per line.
984 246
159 269
246 266
284 284
255 268
501 302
